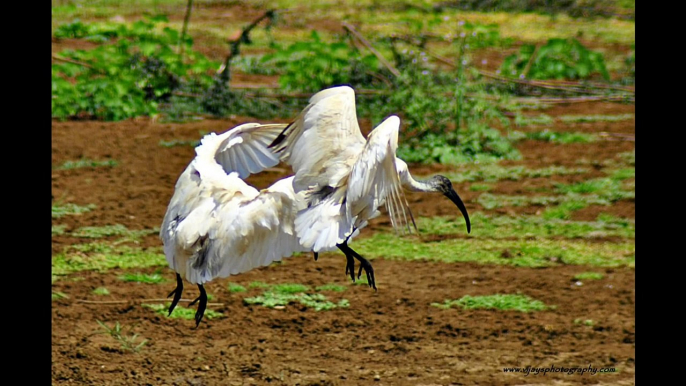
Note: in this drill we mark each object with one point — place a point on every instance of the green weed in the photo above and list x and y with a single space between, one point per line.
233 287
318 302
589 276
502 302
101 291
127 342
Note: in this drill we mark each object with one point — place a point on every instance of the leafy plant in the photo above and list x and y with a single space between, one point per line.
557 59
126 78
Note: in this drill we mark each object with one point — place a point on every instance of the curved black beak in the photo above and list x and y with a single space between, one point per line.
452 195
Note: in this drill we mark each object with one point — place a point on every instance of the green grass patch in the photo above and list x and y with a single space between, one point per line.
502 302
86 163
480 187
101 257
233 287
154 278
181 312
331 287
258 284
70 209
595 118
534 252
589 276
498 227
101 291
494 173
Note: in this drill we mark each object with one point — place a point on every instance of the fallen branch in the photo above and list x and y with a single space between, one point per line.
364 41
244 37
66 60
186 19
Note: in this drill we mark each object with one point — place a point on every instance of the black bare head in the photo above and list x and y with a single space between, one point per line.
443 185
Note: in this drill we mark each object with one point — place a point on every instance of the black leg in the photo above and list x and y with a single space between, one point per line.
201 306
364 264
176 292
316 256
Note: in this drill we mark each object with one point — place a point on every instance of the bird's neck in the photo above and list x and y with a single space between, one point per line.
408 182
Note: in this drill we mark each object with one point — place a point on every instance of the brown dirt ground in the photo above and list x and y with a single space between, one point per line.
389 337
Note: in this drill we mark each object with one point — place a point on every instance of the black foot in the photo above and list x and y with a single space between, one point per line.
316 256
350 266
202 305
176 292
364 264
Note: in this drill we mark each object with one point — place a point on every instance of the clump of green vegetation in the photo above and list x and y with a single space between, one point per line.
331 287
318 302
589 276
70 209
181 312
280 295
86 163
101 291
101 257
500 302
557 59
258 284
154 278
134 71
127 342
234 287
